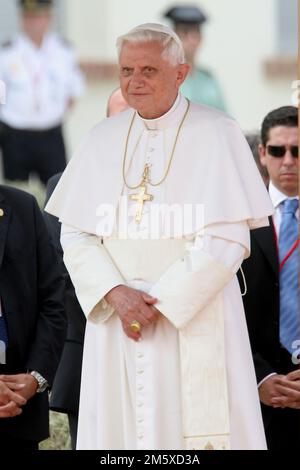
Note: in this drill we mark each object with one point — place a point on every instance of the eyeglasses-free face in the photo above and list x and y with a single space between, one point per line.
279 151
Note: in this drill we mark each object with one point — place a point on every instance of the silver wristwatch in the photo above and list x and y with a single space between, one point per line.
42 383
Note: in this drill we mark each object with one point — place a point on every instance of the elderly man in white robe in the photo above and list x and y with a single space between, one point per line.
156 207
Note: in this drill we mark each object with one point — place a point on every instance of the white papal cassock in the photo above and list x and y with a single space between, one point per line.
190 382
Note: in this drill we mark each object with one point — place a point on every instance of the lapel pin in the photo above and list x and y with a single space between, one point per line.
1 212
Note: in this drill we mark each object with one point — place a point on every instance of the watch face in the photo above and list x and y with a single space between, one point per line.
42 383
42 387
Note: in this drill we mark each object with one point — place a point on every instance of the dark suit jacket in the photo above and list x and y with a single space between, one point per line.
66 387
31 291
261 305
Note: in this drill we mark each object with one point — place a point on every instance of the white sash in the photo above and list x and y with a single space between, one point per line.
204 382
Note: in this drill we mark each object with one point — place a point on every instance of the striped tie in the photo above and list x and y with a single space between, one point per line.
289 276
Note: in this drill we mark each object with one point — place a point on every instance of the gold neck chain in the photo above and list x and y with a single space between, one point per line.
170 159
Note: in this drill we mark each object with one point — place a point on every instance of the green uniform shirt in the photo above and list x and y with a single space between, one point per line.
201 87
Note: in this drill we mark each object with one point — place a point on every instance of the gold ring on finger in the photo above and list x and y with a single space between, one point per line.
135 326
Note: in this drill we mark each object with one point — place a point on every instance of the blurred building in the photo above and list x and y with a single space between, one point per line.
251 46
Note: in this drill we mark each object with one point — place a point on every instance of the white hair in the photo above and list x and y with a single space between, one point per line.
172 46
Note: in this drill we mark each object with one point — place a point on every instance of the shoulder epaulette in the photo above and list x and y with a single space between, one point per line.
6 44
66 42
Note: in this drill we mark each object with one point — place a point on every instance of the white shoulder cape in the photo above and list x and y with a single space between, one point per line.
212 165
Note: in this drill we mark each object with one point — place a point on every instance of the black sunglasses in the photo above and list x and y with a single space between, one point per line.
279 151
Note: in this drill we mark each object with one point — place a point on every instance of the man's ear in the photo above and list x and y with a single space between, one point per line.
183 70
262 154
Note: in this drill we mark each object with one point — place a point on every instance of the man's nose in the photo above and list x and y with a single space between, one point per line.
137 79
288 159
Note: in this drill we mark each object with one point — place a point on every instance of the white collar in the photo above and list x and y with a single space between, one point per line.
277 197
173 116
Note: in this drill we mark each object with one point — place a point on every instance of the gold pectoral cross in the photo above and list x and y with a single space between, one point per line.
142 196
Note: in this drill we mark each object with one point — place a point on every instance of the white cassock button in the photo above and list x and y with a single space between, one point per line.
140 420
140 371
140 355
140 388
140 436
140 404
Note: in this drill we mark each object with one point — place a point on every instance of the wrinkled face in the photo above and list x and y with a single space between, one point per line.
36 24
149 83
283 171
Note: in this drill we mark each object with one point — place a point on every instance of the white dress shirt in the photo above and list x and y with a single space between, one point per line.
277 198
39 82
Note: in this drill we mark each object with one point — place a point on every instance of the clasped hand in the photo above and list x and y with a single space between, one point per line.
15 390
133 305
281 391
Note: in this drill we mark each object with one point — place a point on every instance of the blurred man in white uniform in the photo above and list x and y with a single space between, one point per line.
42 81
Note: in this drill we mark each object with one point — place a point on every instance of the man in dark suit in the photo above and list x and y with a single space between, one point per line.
272 278
32 321
66 387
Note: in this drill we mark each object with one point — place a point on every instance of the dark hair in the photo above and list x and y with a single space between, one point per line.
284 116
